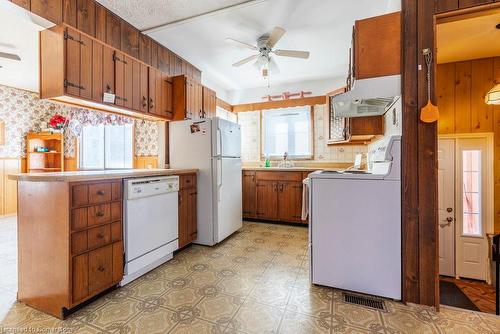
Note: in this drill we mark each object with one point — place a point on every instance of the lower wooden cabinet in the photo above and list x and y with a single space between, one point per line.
70 242
249 187
275 196
188 222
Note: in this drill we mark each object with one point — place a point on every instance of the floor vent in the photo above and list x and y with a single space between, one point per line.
364 301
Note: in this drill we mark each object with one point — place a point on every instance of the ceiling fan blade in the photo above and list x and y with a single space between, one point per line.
239 43
9 56
292 53
246 60
275 36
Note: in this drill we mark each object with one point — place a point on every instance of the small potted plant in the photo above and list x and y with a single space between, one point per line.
57 123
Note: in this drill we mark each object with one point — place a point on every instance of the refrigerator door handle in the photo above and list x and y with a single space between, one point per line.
219 142
219 178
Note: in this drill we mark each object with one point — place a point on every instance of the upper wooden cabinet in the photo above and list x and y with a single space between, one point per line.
95 20
79 69
377 46
209 102
191 99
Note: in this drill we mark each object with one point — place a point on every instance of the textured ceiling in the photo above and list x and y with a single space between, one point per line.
145 14
468 39
322 27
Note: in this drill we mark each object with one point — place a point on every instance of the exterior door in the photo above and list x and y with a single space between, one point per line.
472 209
446 206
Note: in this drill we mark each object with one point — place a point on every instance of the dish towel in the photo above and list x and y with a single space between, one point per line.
305 199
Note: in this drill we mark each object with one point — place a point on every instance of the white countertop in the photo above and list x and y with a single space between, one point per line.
97 175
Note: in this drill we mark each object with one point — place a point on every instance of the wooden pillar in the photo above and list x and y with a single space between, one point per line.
419 177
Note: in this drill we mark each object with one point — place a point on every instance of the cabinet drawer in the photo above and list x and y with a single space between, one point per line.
99 236
187 181
99 193
100 269
279 176
99 214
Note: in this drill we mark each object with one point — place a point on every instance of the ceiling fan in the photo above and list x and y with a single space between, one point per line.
264 47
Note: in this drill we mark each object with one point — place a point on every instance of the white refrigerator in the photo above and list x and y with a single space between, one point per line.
213 146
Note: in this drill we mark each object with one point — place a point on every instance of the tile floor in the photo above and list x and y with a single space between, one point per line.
257 281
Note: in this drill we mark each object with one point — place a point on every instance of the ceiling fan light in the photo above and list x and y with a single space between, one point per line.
493 96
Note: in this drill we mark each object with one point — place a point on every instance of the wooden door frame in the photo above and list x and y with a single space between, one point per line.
420 267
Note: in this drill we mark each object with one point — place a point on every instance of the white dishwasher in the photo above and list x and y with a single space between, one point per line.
150 223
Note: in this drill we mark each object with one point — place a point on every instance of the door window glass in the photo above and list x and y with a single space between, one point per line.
471 195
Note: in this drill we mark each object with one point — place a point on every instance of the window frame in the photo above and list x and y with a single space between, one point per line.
79 143
291 158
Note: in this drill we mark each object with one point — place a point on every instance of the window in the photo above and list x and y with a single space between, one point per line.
471 179
106 147
287 130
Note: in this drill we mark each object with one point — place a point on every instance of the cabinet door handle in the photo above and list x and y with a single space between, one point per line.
100 192
151 104
144 102
180 199
100 214
101 268
281 187
100 236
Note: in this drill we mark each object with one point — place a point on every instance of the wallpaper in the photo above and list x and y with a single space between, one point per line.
23 111
251 132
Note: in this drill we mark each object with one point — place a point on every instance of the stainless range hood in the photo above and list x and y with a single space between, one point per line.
368 97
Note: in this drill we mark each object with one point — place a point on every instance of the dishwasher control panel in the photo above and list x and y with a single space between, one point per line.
151 186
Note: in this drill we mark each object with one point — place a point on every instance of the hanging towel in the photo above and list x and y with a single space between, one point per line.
305 199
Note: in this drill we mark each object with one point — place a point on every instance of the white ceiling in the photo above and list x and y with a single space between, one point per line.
19 35
467 39
322 27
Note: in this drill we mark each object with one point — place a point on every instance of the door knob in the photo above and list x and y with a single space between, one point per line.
449 210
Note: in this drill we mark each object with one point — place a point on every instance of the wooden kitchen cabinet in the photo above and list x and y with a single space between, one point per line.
290 201
191 99
267 200
188 221
70 242
249 200
123 80
209 102
366 126
26 4
78 68
273 195
377 46
145 49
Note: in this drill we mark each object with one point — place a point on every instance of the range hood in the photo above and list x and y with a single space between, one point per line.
368 97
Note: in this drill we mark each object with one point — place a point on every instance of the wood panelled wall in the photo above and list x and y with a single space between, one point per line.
94 19
419 151
460 90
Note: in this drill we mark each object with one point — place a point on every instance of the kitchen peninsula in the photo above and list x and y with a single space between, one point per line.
70 239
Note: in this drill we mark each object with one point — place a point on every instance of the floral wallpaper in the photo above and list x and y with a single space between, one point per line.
23 111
